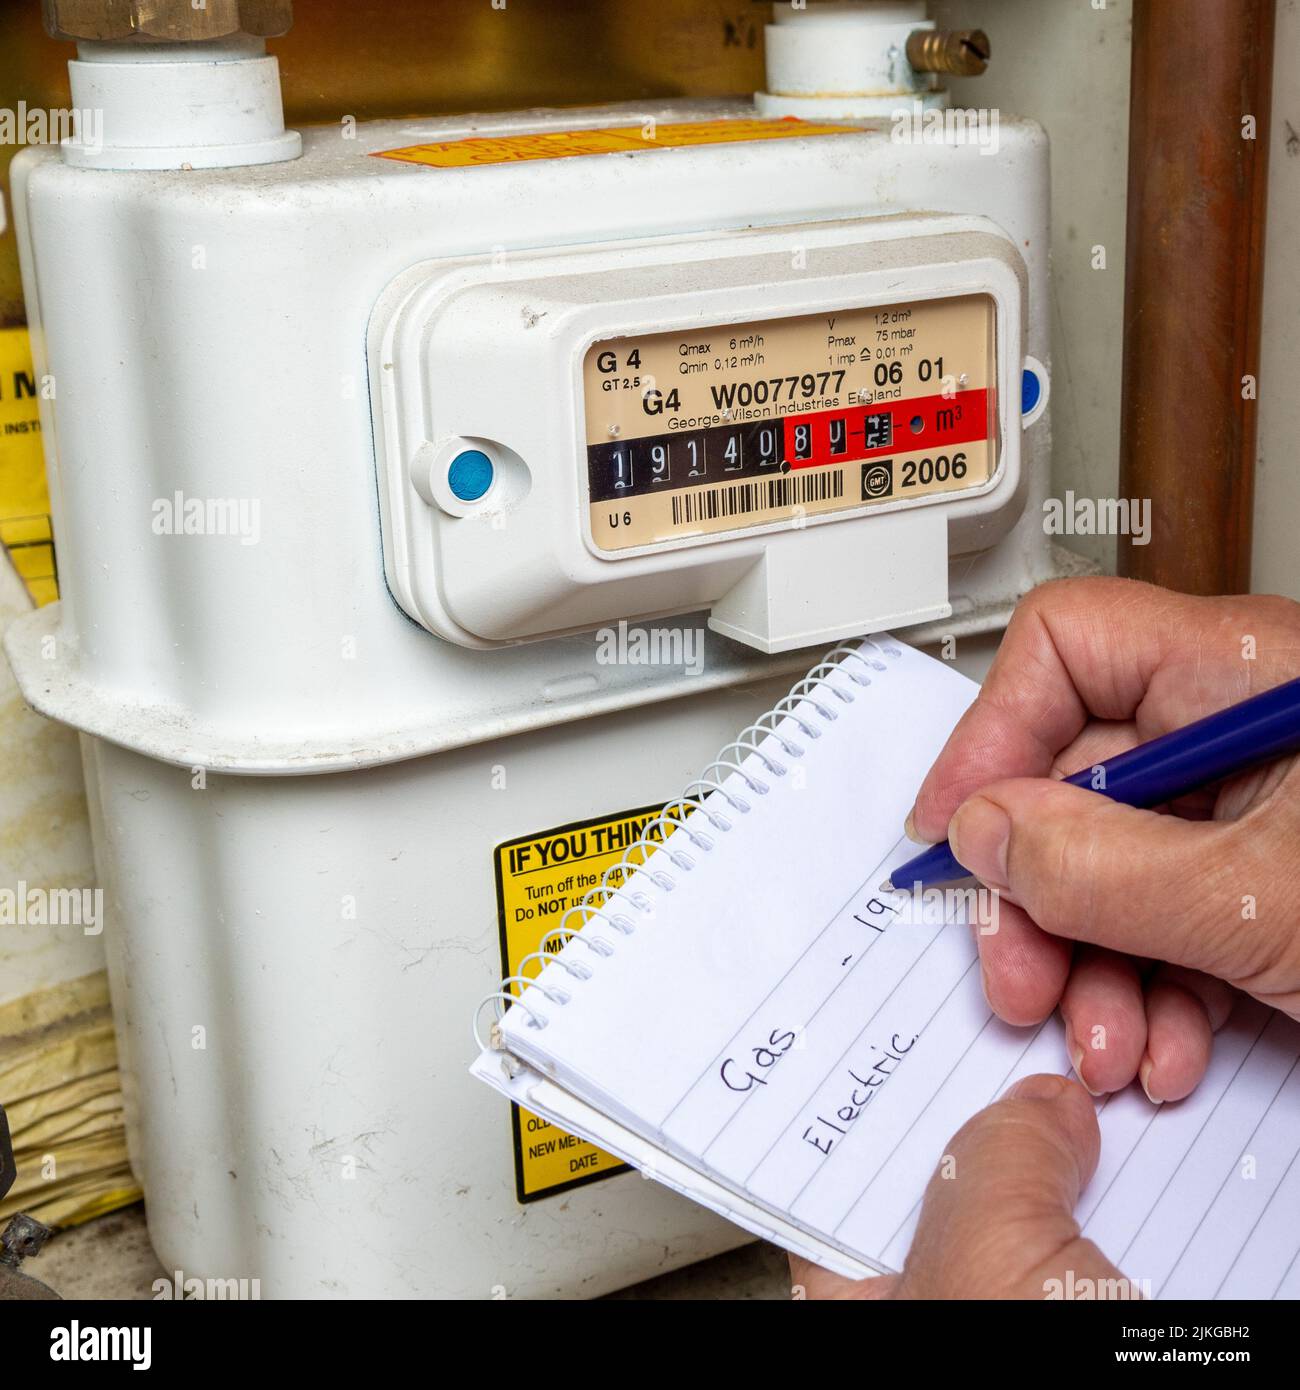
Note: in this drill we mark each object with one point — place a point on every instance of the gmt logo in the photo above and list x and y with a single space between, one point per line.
877 479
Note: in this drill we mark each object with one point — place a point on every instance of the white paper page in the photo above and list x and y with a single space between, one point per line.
809 1045
700 961
544 1098
1202 1199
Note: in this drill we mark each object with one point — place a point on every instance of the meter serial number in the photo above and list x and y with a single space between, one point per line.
760 392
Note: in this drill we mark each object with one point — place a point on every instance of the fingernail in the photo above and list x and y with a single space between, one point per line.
1144 1076
979 834
1041 1087
1076 1061
909 826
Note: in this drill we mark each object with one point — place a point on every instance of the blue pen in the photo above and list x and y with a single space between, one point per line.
1242 736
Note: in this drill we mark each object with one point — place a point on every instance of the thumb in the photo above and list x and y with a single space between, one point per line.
998 1218
1091 869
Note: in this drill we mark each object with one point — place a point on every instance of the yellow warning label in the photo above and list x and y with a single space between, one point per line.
563 144
24 501
539 877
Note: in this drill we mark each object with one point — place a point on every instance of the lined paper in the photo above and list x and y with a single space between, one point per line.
806 1046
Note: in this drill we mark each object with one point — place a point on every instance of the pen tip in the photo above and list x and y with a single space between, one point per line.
886 887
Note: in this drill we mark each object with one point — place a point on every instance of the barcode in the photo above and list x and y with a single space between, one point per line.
735 499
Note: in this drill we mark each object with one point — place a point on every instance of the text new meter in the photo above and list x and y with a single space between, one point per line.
793 428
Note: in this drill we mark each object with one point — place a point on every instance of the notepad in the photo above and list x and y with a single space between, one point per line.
742 1015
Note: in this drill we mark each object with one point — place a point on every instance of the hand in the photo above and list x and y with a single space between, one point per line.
998 1215
1089 668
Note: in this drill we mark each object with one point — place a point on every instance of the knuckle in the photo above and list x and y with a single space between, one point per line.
1260 950
1047 598
1055 869
1208 892
1276 609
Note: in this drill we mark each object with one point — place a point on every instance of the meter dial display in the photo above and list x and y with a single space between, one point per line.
699 432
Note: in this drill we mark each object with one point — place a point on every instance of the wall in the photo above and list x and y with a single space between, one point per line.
1277 484
1066 64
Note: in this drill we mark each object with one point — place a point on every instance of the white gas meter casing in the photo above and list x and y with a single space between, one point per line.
471 355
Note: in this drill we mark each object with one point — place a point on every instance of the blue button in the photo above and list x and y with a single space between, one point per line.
1031 391
470 475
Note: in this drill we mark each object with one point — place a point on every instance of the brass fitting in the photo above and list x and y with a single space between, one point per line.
957 52
165 21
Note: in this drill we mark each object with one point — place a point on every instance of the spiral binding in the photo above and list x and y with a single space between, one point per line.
598 901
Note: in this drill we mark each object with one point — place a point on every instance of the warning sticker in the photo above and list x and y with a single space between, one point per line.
539 877
24 501
631 139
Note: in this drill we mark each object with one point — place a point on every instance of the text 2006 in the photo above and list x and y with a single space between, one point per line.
923 472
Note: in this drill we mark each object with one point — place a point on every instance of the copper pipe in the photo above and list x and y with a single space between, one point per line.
1195 269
